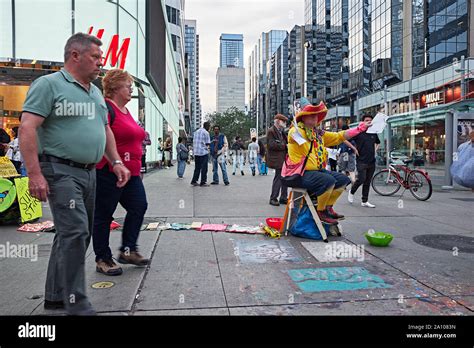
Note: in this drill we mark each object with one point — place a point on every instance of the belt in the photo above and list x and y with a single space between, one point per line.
54 159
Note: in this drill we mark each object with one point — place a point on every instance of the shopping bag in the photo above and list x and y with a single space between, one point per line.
304 225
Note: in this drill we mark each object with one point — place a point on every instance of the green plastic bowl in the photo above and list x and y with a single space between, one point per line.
381 239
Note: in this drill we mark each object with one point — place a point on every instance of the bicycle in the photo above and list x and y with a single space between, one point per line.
387 182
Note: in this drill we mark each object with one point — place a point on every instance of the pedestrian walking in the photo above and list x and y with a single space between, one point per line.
4 141
167 148
253 151
218 149
347 157
261 157
239 152
13 152
72 115
277 147
333 154
129 137
182 153
146 142
201 142
367 145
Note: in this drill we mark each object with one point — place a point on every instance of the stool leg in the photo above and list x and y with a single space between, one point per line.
286 217
316 217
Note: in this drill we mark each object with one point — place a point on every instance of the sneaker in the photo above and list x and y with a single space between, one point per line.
233 173
227 183
51 305
367 205
350 198
242 173
325 218
283 201
274 202
108 267
204 184
331 213
194 184
134 259
214 183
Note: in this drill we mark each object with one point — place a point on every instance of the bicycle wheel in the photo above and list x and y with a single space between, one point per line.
385 183
420 185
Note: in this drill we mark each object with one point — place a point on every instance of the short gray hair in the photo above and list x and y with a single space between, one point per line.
79 42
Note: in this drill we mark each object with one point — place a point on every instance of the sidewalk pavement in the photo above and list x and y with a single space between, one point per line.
217 273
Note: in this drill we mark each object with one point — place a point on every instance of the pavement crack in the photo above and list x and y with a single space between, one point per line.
220 273
142 283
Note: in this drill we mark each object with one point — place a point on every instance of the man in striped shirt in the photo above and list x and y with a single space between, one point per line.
201 142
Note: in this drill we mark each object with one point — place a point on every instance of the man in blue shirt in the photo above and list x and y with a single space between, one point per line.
218 148
201 142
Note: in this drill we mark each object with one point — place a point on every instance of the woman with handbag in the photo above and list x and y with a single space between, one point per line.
129 136
307 159
183 155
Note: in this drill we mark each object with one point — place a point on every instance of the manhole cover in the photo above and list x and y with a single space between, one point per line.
464 199
446 242
102 285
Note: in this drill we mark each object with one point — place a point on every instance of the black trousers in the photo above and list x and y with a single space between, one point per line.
278 186
365 172
201 163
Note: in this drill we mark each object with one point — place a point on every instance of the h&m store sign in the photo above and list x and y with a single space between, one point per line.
116 53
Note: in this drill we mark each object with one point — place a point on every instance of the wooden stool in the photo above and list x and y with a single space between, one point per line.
289 209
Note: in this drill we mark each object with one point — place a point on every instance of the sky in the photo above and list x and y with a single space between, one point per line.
247 17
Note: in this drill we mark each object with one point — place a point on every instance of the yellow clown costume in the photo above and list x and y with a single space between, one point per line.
326 185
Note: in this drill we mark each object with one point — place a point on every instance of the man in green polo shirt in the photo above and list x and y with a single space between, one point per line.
63 134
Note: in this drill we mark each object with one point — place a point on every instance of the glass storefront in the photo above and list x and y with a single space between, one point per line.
32 47
422 140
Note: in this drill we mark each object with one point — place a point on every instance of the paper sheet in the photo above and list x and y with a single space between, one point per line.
298 137
378 124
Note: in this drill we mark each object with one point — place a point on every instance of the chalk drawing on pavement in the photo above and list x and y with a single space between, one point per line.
266 252
335 279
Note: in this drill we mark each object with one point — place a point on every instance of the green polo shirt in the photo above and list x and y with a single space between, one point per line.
74 122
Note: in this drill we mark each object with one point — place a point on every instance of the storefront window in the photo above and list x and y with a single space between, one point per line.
11 103
34 22
6 29
423 140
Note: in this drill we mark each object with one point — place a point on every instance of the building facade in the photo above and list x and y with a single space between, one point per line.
231 51
191 40
296 64
263 51
175 15
230 89
135 35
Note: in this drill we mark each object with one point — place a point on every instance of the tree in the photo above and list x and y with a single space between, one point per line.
232 122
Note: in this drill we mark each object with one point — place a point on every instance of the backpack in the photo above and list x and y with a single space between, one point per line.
111 112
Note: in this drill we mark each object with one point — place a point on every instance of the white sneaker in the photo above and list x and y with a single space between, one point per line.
368 205
350 198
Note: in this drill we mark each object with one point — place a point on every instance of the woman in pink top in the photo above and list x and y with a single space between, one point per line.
129 136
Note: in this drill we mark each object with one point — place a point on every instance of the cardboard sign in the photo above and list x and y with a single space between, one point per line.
30 208
7 169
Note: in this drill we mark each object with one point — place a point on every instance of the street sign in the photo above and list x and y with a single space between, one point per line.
253 133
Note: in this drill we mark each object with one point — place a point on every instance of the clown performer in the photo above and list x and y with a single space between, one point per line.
326 185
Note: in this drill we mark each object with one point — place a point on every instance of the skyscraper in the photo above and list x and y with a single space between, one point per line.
263 51
230 77
230 89
231 51
192 51
175 15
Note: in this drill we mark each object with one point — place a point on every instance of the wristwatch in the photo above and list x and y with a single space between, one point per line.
116 162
